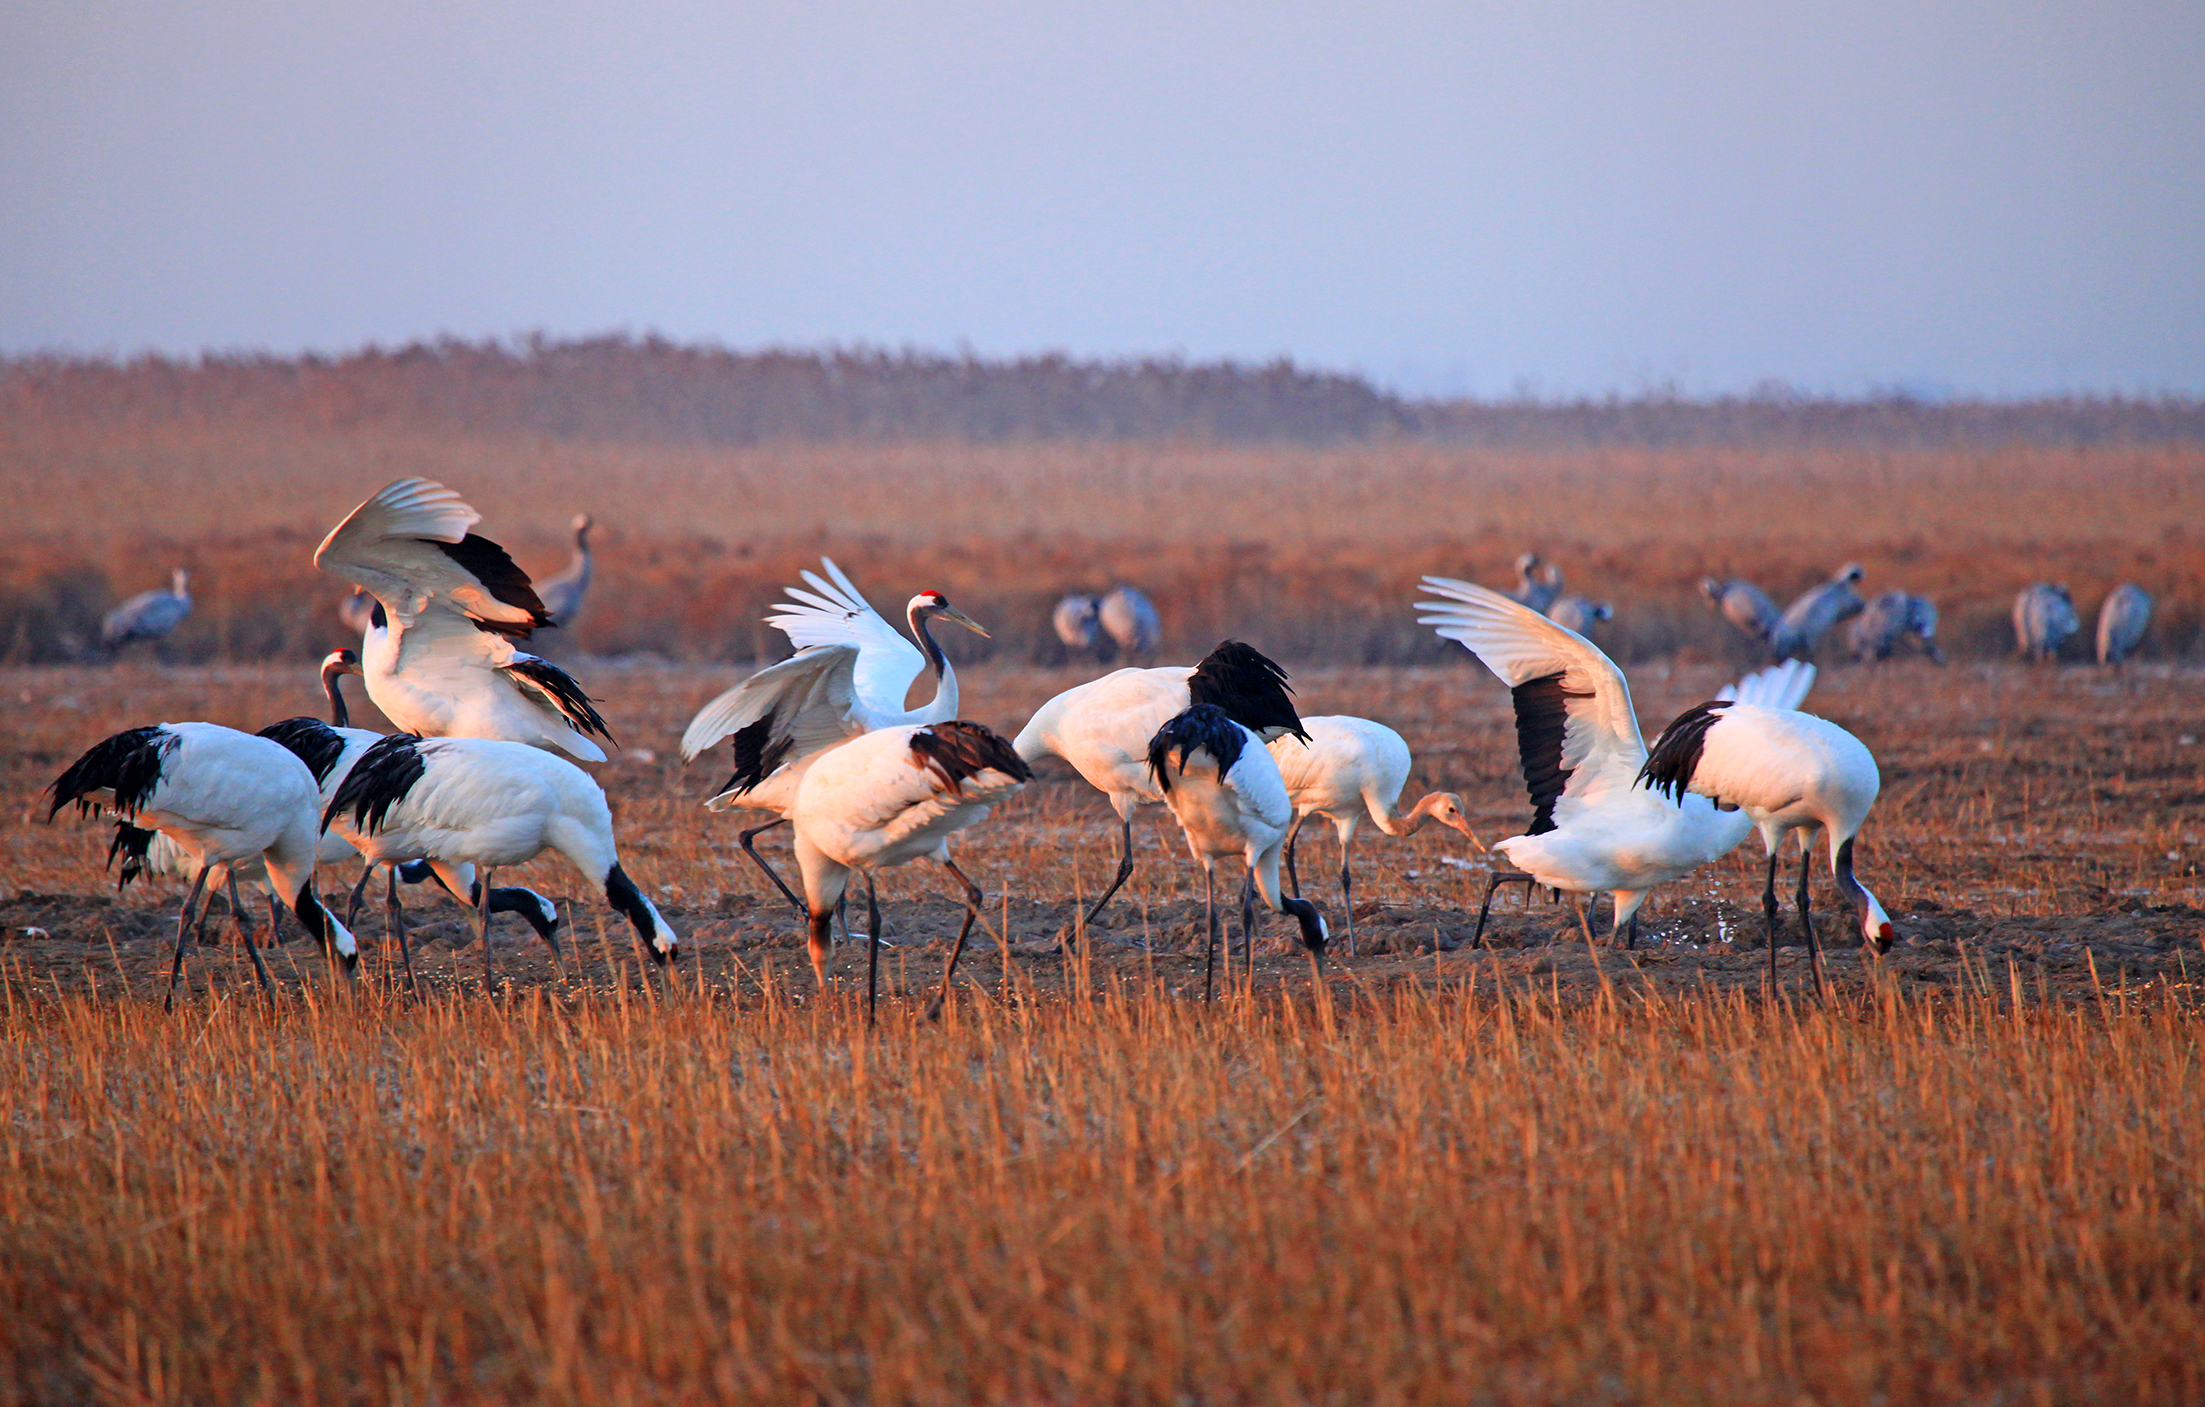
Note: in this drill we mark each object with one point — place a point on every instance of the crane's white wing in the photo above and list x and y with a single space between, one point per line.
809 698
1601 744
1779 686
392 546
835 613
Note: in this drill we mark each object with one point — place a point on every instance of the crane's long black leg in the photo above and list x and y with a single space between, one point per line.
1209 930
1293 880
275 919
1125 869
1769 907
1477 940
394 919
245 934
1247 924
1806 921
972 897
872 947
1632 944
1347 898
359 891
183 931
746 837
482 930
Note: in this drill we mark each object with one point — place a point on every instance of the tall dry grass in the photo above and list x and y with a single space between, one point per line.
1424 1193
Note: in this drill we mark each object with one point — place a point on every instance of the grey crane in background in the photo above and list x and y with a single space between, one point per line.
1807 619
149 615
1574 612
1078 622
1534 588
2044 619
562 593
1746 606
1130 619
2122 621
1884 625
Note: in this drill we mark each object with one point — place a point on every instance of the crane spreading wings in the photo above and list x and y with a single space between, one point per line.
409 546
834 612
1574 722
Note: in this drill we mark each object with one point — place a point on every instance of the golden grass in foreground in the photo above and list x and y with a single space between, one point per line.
1428 1195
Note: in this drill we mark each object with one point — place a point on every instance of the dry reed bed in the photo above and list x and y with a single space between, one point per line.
1317 549
1428 1194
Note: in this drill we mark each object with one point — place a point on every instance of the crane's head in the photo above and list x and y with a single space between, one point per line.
338 662
582 524
1525 561
1446 808
177 581
1851 572
1711 588
933 605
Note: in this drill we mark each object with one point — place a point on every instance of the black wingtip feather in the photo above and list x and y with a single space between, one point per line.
310 740
128 764
502 577
1204 726
1542 722
1675 756
757 754
562 692
130 846
1248 686
377 782
956 750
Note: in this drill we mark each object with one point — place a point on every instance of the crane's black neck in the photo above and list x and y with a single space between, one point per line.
333 684
945 678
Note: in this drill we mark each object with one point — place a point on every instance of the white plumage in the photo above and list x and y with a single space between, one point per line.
225 798
1351 767
438 657
1130 619
1746 606
1593 828
486 803
1788 772
849 677
1224 788
1811 614
1104 727
889 797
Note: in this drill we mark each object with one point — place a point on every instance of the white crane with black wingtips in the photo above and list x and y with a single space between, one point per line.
889 797
486 803
1594 828
224 797
439 657
1224 788
849 676
1104 727
1790 773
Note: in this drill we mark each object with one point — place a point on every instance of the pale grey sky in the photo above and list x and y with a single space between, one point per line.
1580 195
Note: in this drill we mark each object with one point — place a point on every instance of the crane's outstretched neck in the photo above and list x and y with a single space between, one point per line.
333 675
944 706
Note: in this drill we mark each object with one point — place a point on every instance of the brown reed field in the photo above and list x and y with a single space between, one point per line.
1533 1171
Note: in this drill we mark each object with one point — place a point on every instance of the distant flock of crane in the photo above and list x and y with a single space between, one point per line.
824 742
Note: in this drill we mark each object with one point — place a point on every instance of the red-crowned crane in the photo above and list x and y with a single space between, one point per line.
485 803
849 676
563 591
2122 621
1224 788
1593 826
1103 727
886 798
1788 772
224 797
1349 767
438 657
2044 620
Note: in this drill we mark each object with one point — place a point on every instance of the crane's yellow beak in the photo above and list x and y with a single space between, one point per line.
952 613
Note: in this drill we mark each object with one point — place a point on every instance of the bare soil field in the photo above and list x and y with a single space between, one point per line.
1536 1172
